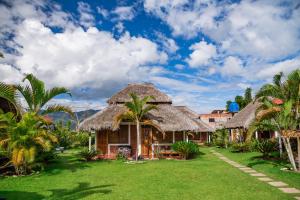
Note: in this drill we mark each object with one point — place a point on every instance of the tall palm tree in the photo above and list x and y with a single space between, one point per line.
36 96
284 115
136 112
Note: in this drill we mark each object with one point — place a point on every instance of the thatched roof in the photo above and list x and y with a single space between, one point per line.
142 90
203 127
244 117
167 117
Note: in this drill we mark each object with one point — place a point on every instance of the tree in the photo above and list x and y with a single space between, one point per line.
36 96
8 96
284 113
136 111
240 100
227 104
247 96
23 140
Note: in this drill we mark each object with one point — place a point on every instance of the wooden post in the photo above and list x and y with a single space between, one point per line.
90 142
256 135
208 137
96 140
277 135
173 137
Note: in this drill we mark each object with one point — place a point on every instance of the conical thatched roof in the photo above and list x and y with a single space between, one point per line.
142 89
243 118
203 127
167 117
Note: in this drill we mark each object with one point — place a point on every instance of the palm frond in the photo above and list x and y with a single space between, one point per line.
58 108
50 94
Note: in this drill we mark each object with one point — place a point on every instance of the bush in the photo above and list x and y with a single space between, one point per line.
266 147
186 149
87 155
240 147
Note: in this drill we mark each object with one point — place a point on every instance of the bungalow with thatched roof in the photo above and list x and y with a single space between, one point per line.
175 122
240 122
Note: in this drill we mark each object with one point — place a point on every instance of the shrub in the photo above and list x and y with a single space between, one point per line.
265 147
87 155
240 147
186 149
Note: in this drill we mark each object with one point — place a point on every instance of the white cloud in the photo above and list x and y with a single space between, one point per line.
124 12
168 44
9 74
283 66
103 12
202 54
76 58
86 17
232 66
179 66
184 20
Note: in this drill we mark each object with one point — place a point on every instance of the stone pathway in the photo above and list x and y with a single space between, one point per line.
284 187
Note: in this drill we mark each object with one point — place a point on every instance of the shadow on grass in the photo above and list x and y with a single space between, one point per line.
275 161
81 191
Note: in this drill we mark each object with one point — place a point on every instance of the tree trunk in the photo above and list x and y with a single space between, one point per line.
287 144
298 142
138 138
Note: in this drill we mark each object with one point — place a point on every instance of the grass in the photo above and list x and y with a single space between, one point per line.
272 168
205 177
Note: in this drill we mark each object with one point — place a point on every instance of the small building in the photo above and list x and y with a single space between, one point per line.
173 121
240 122
216 119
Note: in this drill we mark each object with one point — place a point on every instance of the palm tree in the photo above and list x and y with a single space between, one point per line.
285 115
136 112
36 96
23 140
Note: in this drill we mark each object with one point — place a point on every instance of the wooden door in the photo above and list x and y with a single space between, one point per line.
146 141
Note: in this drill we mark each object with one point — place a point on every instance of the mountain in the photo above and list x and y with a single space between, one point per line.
64 117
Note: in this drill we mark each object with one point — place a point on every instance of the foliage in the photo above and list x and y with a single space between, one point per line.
25 140
36 96
240 147
186 149
265 147
8 93
87 155
63 134
80 139
242 101
284 114
220 138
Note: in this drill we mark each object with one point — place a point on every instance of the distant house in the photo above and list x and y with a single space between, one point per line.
240 122
216 119
178 123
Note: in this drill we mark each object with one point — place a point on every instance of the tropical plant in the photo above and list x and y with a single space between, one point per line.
136 112
265 146
87 155
280 104
63 133
8 93
37 96
24 140
186 149
221 137
240 147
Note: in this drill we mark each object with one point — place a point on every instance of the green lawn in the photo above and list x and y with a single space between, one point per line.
270 168
206 177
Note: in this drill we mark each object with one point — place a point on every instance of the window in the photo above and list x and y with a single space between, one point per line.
211 119
118 137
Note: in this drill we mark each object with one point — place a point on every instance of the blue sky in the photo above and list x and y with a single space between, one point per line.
201 53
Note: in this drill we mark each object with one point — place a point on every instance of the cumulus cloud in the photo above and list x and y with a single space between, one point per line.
202 54
168 44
